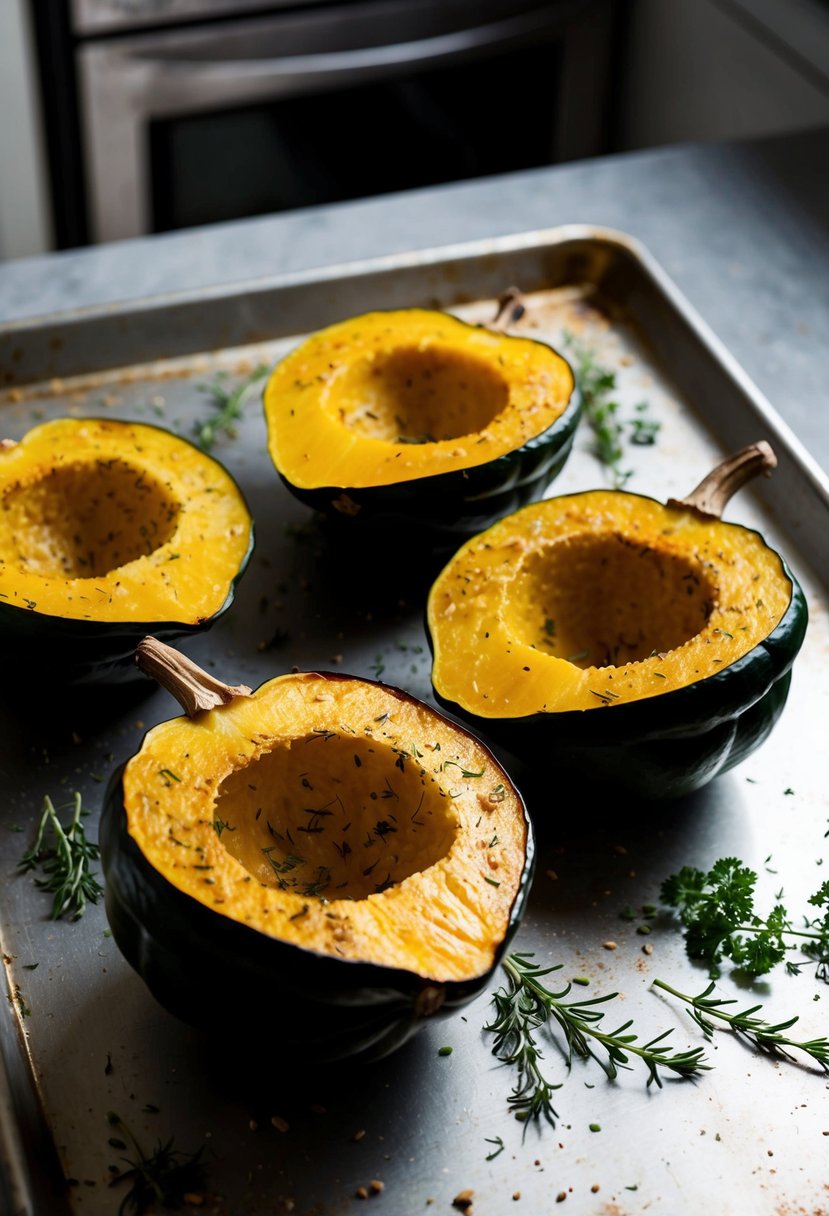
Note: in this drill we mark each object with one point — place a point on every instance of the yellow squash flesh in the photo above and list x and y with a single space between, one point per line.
389 397
596 599
338 815
114 521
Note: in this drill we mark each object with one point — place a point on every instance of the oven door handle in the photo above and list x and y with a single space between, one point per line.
182 82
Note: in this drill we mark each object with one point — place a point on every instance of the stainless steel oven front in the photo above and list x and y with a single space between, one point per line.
184 122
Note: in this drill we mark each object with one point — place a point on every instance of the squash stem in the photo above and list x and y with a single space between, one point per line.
511 308
710 497
193 688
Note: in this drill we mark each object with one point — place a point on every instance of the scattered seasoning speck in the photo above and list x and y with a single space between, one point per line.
647 948
582 980
444 1051
376 1186
561 1196
595 1188
281 1125
595 1127
359 1135
361 1193
610 945
463 1200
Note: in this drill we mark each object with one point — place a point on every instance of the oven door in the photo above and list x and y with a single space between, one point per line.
180 124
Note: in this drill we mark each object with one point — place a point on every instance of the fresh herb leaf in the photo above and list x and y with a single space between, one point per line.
716 908
64 862
499 1147
596 385
525 1006
163 1177
229 404
768 1037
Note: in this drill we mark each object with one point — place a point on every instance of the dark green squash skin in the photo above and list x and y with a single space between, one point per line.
667 745
448 508
84 652
216 973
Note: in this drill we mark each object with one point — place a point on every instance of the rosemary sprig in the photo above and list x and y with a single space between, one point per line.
166 1176
65 863
768 1037
229 402
525 1005
596 384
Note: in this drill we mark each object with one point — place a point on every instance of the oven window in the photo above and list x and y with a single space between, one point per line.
491 115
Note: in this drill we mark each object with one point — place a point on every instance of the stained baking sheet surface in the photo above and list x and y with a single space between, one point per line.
750 1135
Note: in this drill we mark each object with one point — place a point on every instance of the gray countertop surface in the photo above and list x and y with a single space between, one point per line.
742 228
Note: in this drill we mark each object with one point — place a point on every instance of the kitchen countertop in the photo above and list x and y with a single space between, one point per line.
742 228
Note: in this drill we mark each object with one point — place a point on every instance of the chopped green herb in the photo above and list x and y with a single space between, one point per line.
465 772
499 1147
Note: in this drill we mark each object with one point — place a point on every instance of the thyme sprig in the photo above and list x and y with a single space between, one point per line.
596 384
525 1005
229 402
768 1037
64 862
717 911
166 1176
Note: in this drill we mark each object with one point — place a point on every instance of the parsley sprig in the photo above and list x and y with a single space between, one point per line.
717 910
525 1006
166 1176
768 1037
229 402
64 862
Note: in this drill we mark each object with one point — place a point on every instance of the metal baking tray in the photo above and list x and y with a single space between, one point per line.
748 1136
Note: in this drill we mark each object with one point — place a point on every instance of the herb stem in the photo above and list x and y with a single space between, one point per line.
228 402
526 1006
766 1036
65 864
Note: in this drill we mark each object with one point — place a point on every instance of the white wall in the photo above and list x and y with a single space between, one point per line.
24 214
710 69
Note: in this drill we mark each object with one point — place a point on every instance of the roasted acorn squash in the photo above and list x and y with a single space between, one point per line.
415 416
621 640
344 855
108 531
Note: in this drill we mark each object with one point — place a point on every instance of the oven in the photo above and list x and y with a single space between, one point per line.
163 114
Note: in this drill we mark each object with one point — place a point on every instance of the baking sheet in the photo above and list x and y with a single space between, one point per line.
751 1134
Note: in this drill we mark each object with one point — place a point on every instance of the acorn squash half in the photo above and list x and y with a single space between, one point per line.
343 854
620 640
111 530
413 416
